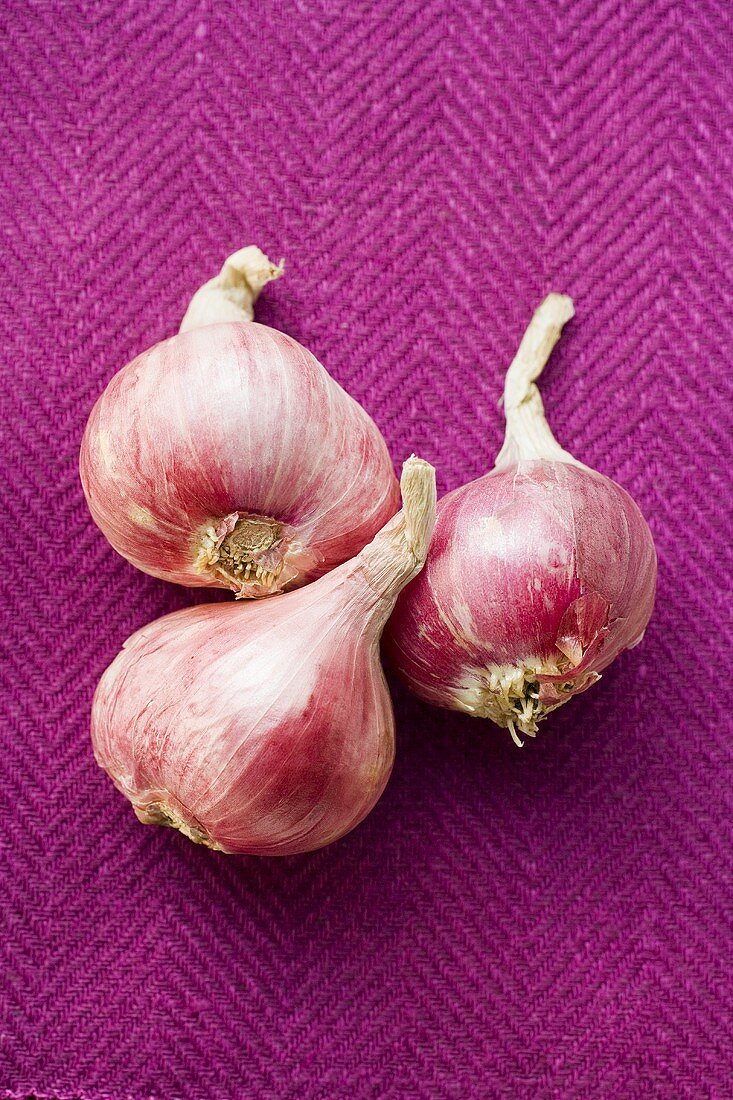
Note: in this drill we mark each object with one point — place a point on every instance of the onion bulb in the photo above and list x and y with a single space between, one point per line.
540 572
266 728
226 456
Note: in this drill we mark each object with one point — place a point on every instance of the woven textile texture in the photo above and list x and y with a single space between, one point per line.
550 922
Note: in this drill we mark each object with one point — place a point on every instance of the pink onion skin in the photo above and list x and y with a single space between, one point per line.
511 552
540 573
173 713
233 418
266 729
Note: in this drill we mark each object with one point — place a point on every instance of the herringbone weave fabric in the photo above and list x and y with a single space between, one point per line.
552 922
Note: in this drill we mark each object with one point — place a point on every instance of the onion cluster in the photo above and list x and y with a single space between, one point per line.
227 457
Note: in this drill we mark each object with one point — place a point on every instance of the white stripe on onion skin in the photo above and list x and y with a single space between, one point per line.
266 729
228 457
540 573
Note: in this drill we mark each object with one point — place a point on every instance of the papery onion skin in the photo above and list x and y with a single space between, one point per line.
511 554
540 573
265 729
231 432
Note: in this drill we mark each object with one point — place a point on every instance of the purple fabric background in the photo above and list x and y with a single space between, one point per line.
553 922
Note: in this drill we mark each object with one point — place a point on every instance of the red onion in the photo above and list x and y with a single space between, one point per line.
266 728
227 456
540 573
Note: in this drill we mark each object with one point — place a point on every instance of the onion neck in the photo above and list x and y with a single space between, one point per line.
528 436
231 295
398 552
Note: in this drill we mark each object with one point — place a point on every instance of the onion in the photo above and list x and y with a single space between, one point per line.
266 728
540 573
228 457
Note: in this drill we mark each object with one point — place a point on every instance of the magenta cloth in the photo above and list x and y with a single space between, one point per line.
552 922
